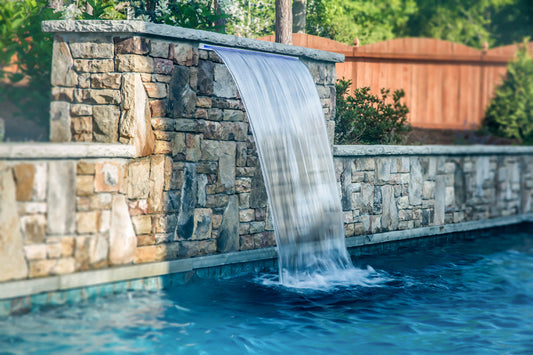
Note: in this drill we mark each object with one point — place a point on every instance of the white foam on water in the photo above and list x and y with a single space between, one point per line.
329 281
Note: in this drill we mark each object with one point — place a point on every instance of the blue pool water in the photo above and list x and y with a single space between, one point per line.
468 297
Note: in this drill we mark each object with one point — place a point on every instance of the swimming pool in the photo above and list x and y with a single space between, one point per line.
473 296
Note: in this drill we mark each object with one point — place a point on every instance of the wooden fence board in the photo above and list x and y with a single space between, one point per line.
447 85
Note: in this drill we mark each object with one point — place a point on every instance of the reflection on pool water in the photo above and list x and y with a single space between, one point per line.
475 296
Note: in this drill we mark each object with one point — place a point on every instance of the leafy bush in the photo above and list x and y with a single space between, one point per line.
364 118
198 14
510 113
24 44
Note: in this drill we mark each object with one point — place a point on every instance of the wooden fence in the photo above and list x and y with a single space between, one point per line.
447 85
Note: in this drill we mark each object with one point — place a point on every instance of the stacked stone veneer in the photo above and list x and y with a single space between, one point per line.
158 162
384 190
195 186
63 213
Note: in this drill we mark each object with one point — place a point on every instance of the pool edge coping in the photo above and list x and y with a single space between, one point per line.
22 288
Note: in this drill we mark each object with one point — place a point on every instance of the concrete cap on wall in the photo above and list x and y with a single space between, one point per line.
173 32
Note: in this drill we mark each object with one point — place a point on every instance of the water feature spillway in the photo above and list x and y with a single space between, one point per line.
288 125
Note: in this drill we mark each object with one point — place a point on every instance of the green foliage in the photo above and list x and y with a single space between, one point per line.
369 20
364 118
24 44
249 18
510 113
473 22
199 14
470 22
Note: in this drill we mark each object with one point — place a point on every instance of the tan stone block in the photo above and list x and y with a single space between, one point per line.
41 268
163 78
101 201
64 266
33 228
168 174
81 252
104 96
24 177
135 121
156 90
134 63
84 80
80 125
35 251
146 254
106 81
164 135
137 207
216 221
67 246
53 250
162 147
142 224
81 110
91 47
83 203
84 185
107 177
203 101
88 222
138 179
145 239
85 168
94 65
157 176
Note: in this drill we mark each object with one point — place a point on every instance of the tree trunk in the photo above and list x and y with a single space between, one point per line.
284 21
298 16
220 24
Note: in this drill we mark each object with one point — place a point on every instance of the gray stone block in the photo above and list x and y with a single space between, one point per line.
228 236
61 217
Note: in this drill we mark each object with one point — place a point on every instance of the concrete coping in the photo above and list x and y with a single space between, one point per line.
173 32
22 151
402 150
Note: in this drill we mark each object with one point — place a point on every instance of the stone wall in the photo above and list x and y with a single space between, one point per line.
64 213
397 188
157 163
193 185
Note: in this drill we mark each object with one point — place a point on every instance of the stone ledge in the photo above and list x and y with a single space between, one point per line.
397 150
172 32
97 277
25 151
124 273
362 240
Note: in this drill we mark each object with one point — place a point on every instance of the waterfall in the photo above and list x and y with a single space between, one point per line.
289 129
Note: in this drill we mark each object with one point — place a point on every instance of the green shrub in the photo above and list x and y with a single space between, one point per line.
510 113
23 43
364 118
